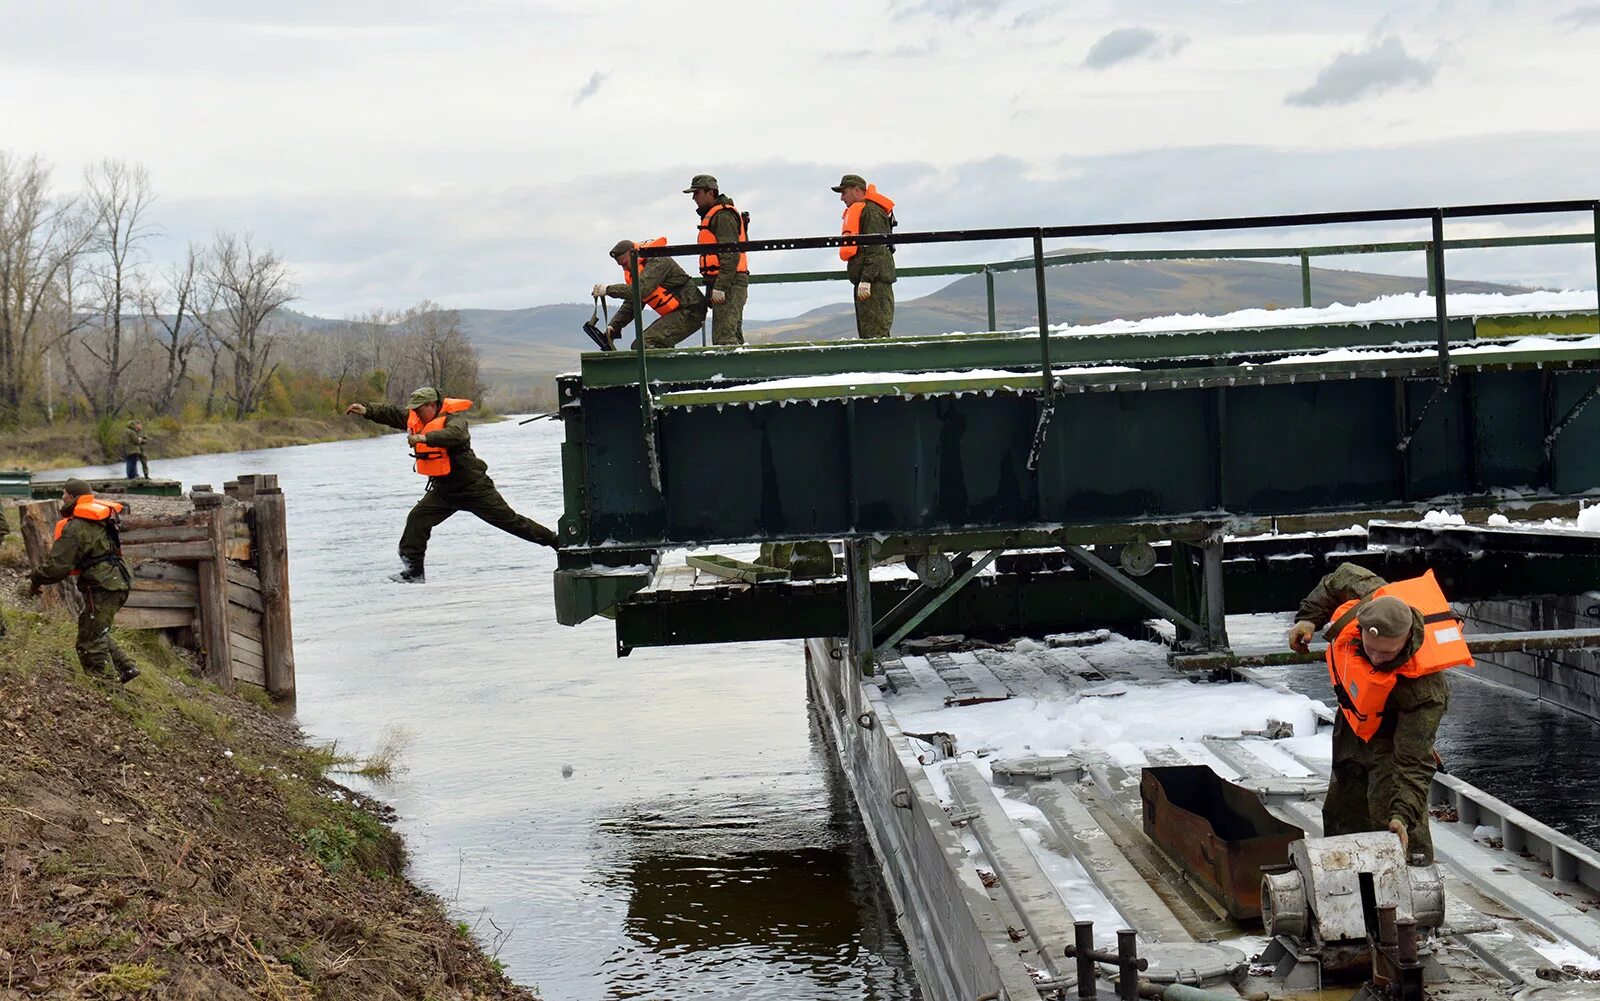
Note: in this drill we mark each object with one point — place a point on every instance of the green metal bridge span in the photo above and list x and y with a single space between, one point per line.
987 443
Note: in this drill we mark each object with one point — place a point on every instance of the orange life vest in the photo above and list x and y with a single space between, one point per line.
433 461
90 509
1362 689
710 264
659 299
852 219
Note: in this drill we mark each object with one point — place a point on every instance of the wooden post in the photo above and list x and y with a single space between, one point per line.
38 520
272 564
214 631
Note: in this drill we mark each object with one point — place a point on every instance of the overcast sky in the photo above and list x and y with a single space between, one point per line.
488 152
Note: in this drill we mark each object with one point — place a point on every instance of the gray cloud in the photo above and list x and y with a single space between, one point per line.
907 51
1586 16
944 8
1383 65
1122 44
589 89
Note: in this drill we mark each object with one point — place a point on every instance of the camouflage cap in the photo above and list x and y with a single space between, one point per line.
1387 616
705 181
421 396
850 181
75 488
622 247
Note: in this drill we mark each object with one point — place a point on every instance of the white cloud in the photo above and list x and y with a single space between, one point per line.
1123 44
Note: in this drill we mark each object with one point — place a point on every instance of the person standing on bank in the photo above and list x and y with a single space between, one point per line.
727 275
457 479
1388 647
133 450
667 289
88 546
871 269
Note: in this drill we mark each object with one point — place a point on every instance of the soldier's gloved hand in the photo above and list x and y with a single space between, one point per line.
359 409
863 291
611 333
598 292
415 439
718 297
1300 637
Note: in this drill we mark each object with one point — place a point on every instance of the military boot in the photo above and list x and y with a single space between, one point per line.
127 670
410 573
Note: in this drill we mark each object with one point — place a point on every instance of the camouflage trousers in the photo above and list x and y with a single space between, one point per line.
875 316
1385 777
727 320
679 325
482 500
97 651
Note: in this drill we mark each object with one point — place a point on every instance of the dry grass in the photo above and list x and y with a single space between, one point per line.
79 443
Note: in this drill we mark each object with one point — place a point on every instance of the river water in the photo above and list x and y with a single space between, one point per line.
700 847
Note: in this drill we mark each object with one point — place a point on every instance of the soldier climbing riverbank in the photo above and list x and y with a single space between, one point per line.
458 480
88 546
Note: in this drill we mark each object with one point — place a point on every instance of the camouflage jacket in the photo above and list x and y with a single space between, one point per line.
661 272
133 442
725 227
872 264
84 546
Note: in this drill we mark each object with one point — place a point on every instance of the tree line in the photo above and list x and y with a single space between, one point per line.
92 327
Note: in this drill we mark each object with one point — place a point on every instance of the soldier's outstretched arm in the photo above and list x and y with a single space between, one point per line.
63 556
388 416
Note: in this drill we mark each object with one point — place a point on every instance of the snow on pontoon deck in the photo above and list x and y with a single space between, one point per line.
1115 706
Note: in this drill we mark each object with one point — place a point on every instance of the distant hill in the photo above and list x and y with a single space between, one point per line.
524 347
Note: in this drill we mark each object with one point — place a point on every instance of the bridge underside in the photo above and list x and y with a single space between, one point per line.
956 444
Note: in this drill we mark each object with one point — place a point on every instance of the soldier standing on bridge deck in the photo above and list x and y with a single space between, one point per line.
88 546
871 269
1388 647
666 288
727 275
133 444
457 479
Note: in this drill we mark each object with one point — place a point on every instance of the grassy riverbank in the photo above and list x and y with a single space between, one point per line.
169 839
82 443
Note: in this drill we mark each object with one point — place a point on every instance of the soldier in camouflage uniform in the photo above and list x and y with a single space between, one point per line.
871 269
89 548
727 275
465 487
4 528
658 273
1382 783
133 444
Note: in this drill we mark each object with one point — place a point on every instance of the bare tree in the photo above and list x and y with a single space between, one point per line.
40 235
438 349
246 286
117 200
171 312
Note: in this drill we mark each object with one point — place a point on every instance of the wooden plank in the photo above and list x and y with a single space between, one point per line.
237 549
156 570
249 673
213 567
244 644
272 560
132 523
244 596
179 533
155 618
162 599
243 576
185 551
174 586
245 621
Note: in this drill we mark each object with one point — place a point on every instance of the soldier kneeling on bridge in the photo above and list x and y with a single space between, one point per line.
1388 647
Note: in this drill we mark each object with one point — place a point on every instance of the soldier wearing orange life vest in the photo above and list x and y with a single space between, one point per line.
87 546
871 269
727 275
458 480
676 299
1388 648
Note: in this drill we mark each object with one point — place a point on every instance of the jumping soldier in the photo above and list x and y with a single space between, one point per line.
88 546
668 290
457 479
1388 647
871 269
727 275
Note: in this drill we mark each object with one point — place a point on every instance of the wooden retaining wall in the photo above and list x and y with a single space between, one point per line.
216 576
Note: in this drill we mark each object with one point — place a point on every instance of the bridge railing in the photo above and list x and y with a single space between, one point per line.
1434 247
